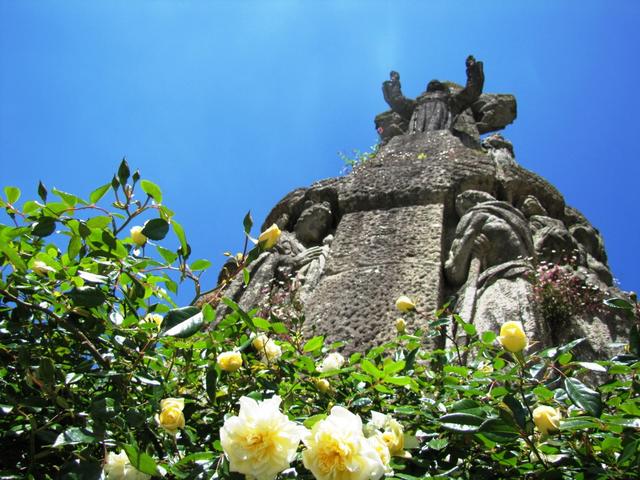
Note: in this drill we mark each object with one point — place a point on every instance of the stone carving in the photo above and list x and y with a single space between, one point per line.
438 107
392 92
446 105
430 215
491 254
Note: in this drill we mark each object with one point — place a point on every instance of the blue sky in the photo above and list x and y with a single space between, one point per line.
228 106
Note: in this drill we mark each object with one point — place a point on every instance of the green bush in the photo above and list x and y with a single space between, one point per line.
98 360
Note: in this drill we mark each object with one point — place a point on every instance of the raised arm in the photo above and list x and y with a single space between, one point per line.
472 90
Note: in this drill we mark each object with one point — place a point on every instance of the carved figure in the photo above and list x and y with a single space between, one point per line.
392 92
438 108
490 256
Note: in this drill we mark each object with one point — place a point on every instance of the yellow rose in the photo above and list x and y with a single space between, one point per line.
260 441
323 385
41 268
137 236
259 342
401 325
547 419
171 417
153 318
230 361
512 337
338 450
405 304
269 237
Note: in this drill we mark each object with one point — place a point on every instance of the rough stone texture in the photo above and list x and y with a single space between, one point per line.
355 243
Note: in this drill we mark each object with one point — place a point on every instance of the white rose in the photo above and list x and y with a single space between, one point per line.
117 467
333 361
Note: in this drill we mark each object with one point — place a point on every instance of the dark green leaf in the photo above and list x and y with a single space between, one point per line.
619 303
583 397
211 381
182 322
42 191
314 344
73 436
155 229
461 422
43 227
246 277
634 340
497 430
247 223
123 172
87 296
68 198
152 190
517 409
140 460
362 402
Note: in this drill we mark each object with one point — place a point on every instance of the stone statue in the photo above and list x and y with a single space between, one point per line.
438 108
392 92
490 257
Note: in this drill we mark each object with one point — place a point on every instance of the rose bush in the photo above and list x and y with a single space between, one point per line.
97 358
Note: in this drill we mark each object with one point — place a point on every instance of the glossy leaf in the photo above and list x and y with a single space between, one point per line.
583 397
155 229
152 190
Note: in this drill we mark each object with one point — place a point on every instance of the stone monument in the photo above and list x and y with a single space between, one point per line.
439 214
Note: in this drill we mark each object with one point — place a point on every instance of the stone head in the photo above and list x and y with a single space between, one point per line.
436 86
394 75
469 199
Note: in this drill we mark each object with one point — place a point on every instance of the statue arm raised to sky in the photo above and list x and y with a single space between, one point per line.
472 90
392 92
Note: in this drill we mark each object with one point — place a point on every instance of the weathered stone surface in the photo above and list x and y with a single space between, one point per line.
494 111
351 245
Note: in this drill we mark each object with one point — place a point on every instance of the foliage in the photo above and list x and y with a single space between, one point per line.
358 157
91 345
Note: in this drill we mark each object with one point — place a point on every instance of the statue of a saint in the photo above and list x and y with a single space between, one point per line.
438 107
392 92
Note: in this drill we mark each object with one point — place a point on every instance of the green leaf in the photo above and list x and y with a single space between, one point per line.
497 430
155 229
619 303
68 198
182 322
101 221
123 172
393 367
398 380
261 323
461 422
370 368
167 254
246 276
247 223
42 191
595 367
314 344
74 247
583 397
211 380
179 231
13 256
152 190
362 402
200 265
87 296
140 460
312 420
92 277
73 436
12 194
43 227
517 409
98 193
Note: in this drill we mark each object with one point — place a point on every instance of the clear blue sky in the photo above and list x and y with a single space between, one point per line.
230 105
